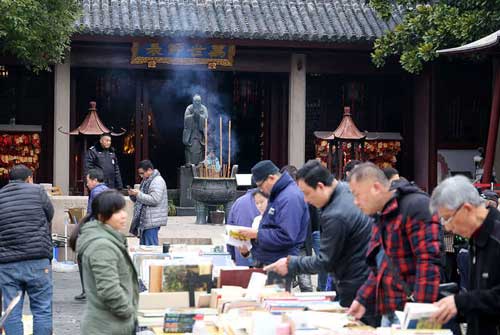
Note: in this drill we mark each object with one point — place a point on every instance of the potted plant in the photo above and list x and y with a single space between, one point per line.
217 216
172 210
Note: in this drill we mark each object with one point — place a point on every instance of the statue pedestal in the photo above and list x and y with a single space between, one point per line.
186 203
185 181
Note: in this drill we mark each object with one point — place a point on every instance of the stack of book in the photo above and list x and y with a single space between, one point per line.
301 303
178 322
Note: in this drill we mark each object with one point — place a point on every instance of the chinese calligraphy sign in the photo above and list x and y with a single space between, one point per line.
153 52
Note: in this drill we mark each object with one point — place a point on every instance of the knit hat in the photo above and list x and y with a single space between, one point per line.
262 170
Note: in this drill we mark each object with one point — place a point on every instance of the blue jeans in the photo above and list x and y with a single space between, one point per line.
150 236
35 278
389 319
323 274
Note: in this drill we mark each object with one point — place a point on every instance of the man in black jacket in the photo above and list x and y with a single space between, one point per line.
344 236
26 250
102 156
463 212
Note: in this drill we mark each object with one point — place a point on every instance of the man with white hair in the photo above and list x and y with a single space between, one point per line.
462 211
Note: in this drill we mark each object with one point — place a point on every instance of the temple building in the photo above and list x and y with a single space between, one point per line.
279 70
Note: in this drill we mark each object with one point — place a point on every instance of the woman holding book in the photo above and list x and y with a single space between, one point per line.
109 275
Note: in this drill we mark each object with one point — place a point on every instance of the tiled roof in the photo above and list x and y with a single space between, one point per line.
299 20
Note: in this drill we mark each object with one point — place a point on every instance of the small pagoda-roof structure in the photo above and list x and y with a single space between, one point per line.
92 125
347 129
346 138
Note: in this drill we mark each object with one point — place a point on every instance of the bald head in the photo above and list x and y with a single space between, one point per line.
369 172
370 188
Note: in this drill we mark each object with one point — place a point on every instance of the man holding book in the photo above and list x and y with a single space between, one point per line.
404 253
283 228
463 211
345 233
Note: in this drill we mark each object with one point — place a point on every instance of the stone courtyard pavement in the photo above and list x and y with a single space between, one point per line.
68 312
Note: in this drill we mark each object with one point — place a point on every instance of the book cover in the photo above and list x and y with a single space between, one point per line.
417 316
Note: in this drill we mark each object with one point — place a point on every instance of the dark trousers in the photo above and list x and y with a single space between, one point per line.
80 270
463 268
451 269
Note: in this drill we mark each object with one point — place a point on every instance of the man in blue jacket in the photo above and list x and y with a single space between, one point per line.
283 228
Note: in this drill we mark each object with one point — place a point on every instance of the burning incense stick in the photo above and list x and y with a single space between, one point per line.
229 149
220 139
206 138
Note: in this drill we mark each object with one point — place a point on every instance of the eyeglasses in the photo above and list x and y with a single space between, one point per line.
444 222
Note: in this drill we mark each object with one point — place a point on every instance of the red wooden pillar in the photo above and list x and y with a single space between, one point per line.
493 129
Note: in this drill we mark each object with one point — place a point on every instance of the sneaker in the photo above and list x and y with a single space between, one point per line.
81 296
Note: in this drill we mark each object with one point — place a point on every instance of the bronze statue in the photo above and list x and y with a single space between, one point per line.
193 135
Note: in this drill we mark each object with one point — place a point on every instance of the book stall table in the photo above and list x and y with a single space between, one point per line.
181 284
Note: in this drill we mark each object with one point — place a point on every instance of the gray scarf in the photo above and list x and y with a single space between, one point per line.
136 227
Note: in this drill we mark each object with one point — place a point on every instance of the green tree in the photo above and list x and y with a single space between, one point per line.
432 25
37 32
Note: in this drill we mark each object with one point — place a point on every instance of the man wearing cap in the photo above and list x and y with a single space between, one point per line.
102 156
283 226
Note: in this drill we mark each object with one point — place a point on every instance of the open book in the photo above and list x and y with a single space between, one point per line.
417 316
235 238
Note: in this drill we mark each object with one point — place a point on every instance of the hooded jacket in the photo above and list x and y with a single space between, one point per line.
284 224
104 159
110 281
404 251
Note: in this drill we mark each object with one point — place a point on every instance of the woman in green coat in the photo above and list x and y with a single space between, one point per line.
109 275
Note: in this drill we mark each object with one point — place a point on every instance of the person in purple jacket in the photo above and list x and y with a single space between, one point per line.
242 213
283 227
